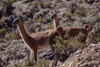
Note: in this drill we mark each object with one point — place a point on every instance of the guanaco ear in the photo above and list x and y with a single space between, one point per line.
87 26
16 20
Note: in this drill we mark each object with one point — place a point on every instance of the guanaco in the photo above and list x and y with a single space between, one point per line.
37 41
72 31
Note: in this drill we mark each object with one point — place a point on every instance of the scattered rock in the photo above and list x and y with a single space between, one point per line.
88 57
16 51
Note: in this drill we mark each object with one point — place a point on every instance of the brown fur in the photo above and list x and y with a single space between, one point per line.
72 31
37 41
55 20
75 32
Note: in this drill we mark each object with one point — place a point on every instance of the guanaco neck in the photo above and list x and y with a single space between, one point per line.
56 22
22 31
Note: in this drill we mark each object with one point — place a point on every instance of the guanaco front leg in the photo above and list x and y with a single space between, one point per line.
31 55
35 54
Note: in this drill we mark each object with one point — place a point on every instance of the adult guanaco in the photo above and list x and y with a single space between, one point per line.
37 41
72 31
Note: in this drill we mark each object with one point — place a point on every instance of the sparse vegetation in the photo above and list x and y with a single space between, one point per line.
35 19
9 50
6 2
1 46
81 12
8 5
97 19
43 63
16 35
63 48
48 5
29 63
73 7
94 36
89 1
41 4
9 37
2 32
2 64
69 14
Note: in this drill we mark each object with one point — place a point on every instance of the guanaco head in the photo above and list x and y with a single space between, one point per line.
53 16
87 26
60 30
16 21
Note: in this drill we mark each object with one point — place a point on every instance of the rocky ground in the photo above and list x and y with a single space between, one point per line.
36 16
88 57
15 53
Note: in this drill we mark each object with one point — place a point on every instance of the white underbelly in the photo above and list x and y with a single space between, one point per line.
45 45
43 48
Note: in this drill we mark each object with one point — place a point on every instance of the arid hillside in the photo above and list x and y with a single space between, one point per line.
36 17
